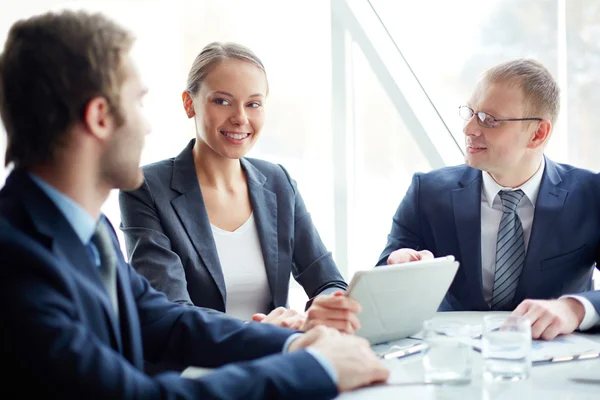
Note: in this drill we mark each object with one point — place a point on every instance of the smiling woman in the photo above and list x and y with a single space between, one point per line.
226 91
215 229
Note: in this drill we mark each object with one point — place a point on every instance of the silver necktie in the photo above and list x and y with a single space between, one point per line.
510 251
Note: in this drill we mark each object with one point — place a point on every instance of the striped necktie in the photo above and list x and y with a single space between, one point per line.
510 251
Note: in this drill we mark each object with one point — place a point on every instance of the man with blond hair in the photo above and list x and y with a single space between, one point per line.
77 321
524 228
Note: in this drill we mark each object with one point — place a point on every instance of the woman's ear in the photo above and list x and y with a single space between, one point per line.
188 104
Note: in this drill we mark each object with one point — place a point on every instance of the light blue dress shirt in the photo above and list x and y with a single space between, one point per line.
84 226
80 220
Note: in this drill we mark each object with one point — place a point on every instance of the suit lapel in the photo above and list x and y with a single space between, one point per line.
264 204
191 211
466 202
76 253
549 205
65 244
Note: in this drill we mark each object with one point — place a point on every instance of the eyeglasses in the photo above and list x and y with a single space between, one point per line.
486 120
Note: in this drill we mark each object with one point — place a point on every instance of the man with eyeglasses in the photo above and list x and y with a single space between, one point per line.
524 228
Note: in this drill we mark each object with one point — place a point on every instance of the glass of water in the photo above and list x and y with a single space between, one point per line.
506 348
447 355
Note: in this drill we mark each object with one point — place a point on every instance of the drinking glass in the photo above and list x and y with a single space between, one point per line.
506 348
447 355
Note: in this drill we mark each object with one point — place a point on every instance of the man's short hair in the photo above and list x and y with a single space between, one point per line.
51 67
539 86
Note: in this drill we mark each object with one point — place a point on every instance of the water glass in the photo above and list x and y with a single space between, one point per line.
447 356
506 348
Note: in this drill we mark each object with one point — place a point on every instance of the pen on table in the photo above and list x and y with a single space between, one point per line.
577 357
403 352
586 380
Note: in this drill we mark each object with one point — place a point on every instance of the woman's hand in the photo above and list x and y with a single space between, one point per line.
283 317
333 310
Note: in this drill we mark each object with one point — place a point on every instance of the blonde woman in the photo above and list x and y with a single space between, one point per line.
215 229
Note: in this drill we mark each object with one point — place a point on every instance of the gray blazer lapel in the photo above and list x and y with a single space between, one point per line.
264 204
191 210
466 202
549 205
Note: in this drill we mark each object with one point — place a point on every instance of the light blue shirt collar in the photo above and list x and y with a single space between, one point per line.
81 221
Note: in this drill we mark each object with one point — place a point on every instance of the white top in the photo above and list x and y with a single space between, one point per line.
244 270
491 214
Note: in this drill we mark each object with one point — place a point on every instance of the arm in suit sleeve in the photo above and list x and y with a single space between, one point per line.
593 296
313 267
591 303
50 350
185 336
149 249
406 224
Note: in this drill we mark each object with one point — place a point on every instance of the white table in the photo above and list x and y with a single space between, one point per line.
546 382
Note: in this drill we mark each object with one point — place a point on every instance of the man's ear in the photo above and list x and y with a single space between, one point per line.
98 118
541 134
188 104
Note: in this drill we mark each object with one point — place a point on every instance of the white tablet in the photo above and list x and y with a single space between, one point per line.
396 299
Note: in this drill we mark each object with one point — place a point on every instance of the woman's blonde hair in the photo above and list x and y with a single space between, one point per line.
214 53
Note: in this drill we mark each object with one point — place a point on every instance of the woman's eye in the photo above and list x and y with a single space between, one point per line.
254 105
222 102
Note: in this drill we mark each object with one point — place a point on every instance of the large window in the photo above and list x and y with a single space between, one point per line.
385 157
392 130
462 38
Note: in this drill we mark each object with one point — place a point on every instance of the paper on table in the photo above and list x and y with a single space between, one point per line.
472 331
562 346
567 345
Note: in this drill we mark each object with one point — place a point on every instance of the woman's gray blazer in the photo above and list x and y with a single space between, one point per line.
169 239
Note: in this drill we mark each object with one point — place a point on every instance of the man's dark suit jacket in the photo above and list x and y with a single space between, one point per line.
441 212
170 241
59 337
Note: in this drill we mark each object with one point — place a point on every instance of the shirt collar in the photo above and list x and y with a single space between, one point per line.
531 188
81 221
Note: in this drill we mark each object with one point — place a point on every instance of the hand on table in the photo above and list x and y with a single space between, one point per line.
550 318
352 358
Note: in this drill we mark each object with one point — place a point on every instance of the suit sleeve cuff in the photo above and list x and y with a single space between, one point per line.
289 340
591 317
321 359
325 363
